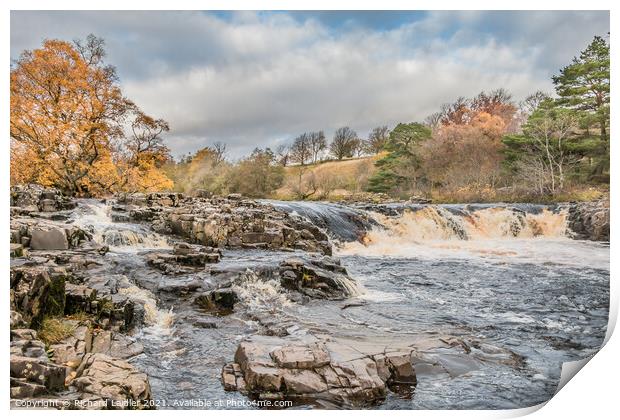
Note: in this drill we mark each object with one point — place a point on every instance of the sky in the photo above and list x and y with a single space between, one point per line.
259 79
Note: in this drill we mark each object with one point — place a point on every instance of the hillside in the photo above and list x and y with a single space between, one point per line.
327 180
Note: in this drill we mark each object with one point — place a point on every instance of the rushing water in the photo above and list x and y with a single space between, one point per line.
504 277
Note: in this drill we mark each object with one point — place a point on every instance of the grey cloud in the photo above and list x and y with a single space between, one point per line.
260 79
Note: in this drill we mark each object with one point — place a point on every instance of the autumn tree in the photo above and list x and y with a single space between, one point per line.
206 169
344 143
258 175
465 155
68 118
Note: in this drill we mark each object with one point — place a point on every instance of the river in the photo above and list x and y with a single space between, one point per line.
504 279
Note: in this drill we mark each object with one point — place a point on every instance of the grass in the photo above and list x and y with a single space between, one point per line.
336 179
54 330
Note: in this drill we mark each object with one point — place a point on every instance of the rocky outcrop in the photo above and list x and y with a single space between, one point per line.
34 198
317 277
83 370
589 220
232 222
44 235
316 369
32 372
184 258
113 382
37 292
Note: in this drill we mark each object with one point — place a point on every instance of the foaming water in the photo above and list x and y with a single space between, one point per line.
437 223
160 320
123 237
503 234
257 293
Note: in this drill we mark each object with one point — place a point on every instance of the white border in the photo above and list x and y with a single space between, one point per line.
592 393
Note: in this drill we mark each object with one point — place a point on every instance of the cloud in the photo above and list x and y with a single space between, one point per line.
258 79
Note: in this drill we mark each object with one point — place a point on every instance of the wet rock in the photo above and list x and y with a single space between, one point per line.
309 368
116 382
111 300
317 277
80 298
220 301
37 292
48 237
232 222
589 220
185 258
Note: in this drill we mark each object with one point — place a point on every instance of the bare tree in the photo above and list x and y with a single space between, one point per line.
377 139
219 151
317 144
283 153
344 143
434 120
301 151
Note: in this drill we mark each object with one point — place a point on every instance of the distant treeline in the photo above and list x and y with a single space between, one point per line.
72 128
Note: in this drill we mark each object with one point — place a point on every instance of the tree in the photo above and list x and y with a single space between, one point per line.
318 144
465 156
68 119
204 170
301 151
219 152
583 85
546 148
66 107
283 153
377 139
400 170
257 175
343 144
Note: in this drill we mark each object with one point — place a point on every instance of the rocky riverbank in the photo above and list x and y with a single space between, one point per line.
76 312
72 322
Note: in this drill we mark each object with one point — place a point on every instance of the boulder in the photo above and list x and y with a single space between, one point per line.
319 277
48 238
37 292
220 301
116 382
309 368
589 220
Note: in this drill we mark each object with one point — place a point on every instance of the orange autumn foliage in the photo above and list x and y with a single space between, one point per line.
68 124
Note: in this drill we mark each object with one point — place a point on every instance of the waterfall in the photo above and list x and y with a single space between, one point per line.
340 222
462 223
94 216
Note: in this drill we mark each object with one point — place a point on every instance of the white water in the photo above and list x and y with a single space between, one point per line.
122 237
125 240
496 234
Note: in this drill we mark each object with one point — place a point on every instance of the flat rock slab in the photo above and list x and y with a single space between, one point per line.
311 368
